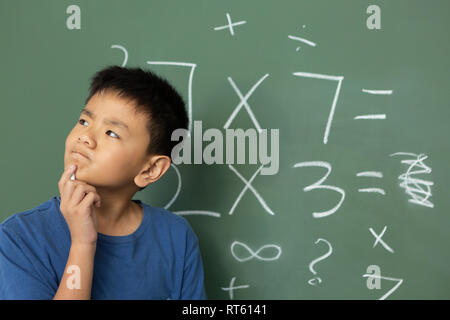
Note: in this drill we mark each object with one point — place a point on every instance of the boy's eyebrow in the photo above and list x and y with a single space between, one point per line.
113 122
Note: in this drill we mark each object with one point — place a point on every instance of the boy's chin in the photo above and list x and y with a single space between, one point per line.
92 181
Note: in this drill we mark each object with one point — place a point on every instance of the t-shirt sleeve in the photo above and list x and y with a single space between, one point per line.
20 277
193 278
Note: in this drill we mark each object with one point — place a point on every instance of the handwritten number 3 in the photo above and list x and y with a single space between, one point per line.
318 185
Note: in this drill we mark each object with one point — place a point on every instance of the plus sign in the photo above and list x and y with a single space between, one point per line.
230 25
231 288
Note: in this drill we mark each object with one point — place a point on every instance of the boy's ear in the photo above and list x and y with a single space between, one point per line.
153 170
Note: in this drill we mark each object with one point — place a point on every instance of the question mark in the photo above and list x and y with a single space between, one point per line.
317 280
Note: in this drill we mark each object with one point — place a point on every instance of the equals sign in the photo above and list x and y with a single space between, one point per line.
372 174
381 116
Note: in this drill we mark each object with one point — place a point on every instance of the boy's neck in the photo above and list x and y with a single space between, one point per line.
118 214
120 223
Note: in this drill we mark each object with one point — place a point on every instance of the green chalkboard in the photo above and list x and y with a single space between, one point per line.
358 90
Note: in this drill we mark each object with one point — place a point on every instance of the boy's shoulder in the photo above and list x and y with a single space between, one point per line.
165 223
34 217
46 219
36 229
165 217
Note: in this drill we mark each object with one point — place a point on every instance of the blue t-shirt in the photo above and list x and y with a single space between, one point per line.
160 260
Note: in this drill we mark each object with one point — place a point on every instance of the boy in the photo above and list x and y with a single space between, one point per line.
94 242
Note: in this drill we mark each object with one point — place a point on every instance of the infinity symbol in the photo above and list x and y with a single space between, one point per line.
254 254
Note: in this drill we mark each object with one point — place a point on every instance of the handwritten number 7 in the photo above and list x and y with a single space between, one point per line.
339 80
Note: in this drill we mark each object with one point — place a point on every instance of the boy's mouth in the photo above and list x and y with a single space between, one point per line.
80 154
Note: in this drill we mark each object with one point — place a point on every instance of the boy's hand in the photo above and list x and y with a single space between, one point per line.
77 201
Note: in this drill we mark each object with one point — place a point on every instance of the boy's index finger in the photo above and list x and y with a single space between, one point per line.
65 176
69 173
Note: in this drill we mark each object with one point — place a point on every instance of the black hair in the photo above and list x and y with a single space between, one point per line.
152 96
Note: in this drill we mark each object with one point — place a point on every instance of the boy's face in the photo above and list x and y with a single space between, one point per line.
115 153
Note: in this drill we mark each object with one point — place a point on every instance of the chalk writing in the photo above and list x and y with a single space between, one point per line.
248 185
230 25
339 80
371 174
376 276
418 189
318 185
243 102
317 280
231 288
378 239
191 77
125 52
255 254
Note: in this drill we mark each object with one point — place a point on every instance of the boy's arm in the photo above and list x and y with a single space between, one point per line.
23 279
22 276
193 277
77 207
76 282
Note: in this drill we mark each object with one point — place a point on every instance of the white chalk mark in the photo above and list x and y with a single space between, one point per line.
198 212
339 79
403 154
231 288
323 257
373 174
318 76
189 212
413 186
387 92
243 102
400 281
116 46
167 206
191 77
298 49
318 185
173 63
372 190
248 185
253 254
330 250
312 44
371 117
230 25
314 281
244 190
378 239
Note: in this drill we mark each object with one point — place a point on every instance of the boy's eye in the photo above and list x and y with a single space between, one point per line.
115 135
81 121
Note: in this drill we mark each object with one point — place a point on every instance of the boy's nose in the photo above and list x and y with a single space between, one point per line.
86 139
